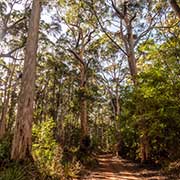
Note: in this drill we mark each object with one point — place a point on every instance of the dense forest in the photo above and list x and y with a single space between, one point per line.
82 78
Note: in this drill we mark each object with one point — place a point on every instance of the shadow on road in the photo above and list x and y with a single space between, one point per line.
114 168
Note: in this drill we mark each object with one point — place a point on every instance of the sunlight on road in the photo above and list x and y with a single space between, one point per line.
113 168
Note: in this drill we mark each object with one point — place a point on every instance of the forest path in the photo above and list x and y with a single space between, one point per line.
114 168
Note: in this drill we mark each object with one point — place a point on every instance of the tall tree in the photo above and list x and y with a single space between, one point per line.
79 38
12 27
122 22
130 23
7 92
21 146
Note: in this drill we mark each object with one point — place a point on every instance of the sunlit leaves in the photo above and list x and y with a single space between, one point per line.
62 2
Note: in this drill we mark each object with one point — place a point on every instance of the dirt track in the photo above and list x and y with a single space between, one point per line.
113 168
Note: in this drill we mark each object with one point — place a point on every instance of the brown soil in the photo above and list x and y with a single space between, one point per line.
115 168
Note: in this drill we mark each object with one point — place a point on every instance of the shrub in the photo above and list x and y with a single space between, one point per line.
51 160
5 146
45 150
14 172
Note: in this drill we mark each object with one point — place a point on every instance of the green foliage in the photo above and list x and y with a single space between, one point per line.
72 134
51 160
15 172
153 106
87 93
20 170
129 146
71 166
45 150
5 147
71 170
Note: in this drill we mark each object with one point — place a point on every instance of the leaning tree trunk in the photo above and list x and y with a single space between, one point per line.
21 145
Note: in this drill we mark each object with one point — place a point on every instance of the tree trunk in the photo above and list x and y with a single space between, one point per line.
129 44
22 139
11 118
132 65
144 148
61 112
83 116
4 112
117 112
3 120
83 104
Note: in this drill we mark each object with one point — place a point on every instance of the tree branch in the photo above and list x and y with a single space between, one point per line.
175 7
104 30
121 15
9 54
76 56
14 24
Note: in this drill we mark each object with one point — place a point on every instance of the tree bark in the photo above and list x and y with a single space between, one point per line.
4 110
3 120
144 148
117 113
22 139
83 116
129 44
175 7
82 86
83 104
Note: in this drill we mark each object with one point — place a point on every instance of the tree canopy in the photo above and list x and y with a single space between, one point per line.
84 77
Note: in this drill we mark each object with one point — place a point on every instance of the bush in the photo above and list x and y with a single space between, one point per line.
51 160
45 150
71 169
172 170
13 173
5 147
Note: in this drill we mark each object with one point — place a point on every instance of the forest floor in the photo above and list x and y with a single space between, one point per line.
115 168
